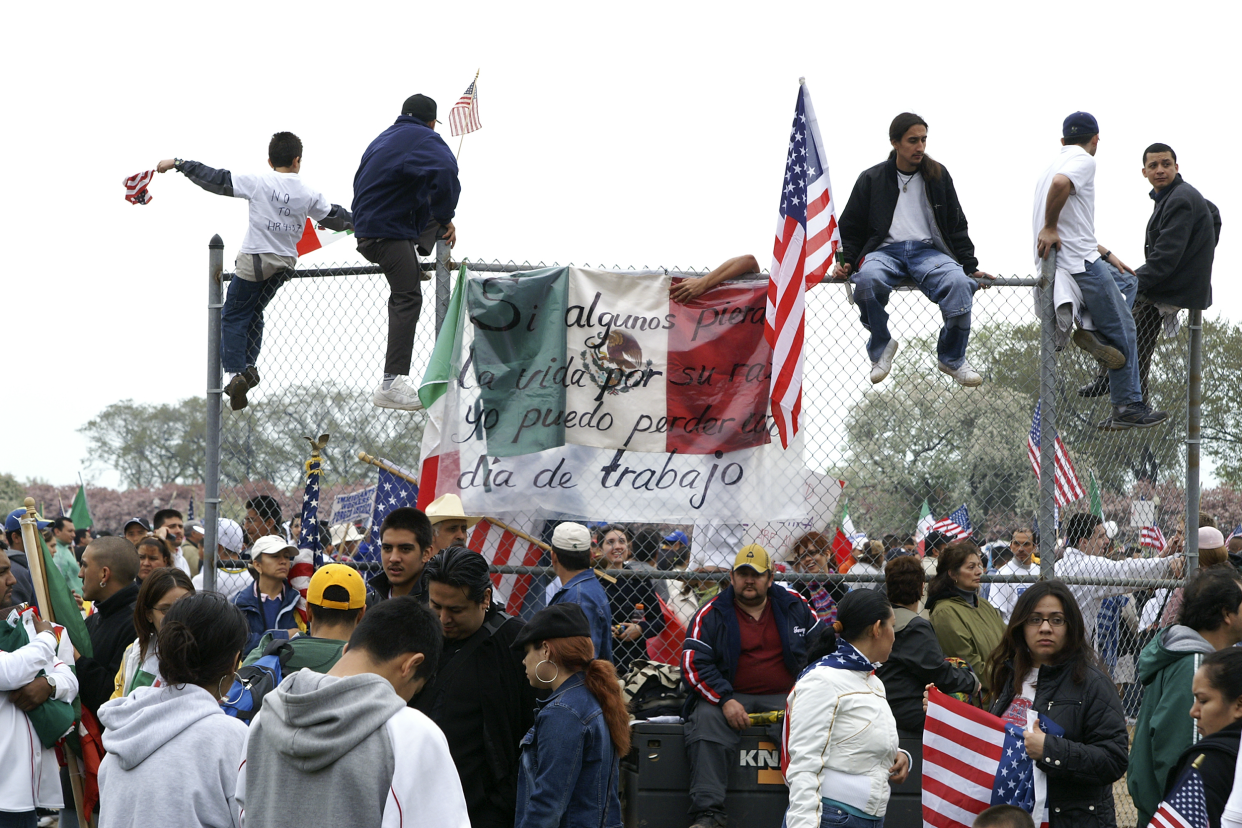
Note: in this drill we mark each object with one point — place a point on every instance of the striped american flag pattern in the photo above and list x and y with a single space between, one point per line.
1152 538
1069 487
136 187
806 239
1186 806
501 547
956 525
464 116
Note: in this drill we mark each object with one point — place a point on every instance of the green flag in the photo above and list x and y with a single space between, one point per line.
1097 505
440 367
80 512
64 607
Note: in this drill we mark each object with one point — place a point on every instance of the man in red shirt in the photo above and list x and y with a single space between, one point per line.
742 654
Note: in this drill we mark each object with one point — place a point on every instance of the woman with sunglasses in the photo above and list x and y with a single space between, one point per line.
1045 667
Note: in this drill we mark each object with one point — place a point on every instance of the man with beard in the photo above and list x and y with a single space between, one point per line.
744 649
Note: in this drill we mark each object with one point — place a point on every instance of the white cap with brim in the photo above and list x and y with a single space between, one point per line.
272 545
229 535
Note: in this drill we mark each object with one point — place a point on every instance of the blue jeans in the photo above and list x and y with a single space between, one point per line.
937 275
241 320
836 818
1109 295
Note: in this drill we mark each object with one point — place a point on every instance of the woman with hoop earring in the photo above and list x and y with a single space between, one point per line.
178 724
570 759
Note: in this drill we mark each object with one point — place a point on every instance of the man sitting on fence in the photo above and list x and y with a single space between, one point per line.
279 205
1064 222
903 221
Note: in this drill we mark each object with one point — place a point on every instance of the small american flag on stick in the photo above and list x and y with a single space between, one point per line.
1069 487
464 116
1152 538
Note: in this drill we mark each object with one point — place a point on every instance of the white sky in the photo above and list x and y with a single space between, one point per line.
633 134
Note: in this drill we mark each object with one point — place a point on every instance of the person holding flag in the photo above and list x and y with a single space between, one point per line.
1045 666
903 221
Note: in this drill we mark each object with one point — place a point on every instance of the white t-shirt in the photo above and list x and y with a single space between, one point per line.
911 218
279 205
229 582
1076 225
1005 596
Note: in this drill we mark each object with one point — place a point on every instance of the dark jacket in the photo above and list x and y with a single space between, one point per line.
251 605
714 643
1220 757
111 628
1180 245
868 215
23 590
407 177
1083 764
624 595
569 765
915 662
380 589
484 705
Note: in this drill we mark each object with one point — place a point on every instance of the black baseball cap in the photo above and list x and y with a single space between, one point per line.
1079 123
421 107
557 621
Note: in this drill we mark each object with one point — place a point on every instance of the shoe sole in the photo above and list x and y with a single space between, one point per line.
1106 355
237 396
877 380
382 402
944 369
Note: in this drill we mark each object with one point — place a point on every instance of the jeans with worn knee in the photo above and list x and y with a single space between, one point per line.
938 276
1100 284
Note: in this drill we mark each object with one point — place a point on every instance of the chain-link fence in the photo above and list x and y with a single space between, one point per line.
885 461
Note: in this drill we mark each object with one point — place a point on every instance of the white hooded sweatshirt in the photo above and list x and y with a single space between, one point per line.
156 731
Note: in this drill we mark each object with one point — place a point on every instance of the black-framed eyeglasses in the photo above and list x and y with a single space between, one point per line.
1038 620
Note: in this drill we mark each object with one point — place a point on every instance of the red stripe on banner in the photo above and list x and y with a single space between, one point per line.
782 241
952 796
521 585
958 766
936 819
719 370
310 239
428 481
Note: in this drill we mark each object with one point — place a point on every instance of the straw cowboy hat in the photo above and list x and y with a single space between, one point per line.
448 507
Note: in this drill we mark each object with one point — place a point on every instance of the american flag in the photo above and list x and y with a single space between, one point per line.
392 492
501 547
956 525
1186 806
973 760
1069 487
806 238
136 187
1152 538
310 553
464 116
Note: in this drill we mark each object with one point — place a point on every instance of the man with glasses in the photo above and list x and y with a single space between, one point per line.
1086 550
1005 595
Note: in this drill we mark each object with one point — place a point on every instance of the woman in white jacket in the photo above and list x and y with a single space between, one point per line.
841 751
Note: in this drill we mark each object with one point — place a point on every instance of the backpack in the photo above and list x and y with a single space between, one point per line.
652 689
254 681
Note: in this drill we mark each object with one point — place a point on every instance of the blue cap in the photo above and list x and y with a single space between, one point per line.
677 537
13 523
1080 123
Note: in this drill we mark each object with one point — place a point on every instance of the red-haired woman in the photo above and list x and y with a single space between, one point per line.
569 772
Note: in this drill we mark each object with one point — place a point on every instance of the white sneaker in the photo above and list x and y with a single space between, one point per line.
880 369
400 395
965 375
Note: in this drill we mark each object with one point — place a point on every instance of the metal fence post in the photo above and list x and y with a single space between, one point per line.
215 391
1195 401
442 283
1047 418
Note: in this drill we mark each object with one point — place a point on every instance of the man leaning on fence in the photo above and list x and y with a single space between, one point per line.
280 202
1180 245
903 221
405 196
744 649
1064 222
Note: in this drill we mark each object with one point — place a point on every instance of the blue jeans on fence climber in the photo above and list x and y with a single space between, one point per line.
938 276
1109 294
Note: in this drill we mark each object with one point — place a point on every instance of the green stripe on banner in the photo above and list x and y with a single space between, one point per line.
440 368
519 355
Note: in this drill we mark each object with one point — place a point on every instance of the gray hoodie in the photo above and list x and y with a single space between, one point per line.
319 754
158 731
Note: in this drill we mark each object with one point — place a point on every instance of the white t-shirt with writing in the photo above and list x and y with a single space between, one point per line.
279 205
912 216
1076 225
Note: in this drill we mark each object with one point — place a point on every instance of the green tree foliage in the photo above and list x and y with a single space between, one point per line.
150 445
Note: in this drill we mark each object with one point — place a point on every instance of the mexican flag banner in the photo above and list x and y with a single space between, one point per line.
313 238
590 393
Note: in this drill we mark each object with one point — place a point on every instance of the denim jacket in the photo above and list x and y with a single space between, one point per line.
585 590
569 773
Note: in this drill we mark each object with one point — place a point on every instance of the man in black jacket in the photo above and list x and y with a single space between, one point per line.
479 696
903 221
109 567
1180 245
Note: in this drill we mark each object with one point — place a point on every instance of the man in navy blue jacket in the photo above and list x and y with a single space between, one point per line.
742 654
406 188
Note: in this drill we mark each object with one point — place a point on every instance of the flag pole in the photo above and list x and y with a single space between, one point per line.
380 464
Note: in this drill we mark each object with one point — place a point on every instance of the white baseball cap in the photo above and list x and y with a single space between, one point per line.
572 537
272 545
229 535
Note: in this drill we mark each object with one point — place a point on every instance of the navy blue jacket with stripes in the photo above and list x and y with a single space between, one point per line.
714 643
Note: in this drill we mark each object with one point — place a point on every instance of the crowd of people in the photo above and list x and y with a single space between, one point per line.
475 717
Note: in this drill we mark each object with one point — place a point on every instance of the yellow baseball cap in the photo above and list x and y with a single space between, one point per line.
754 556
337 575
